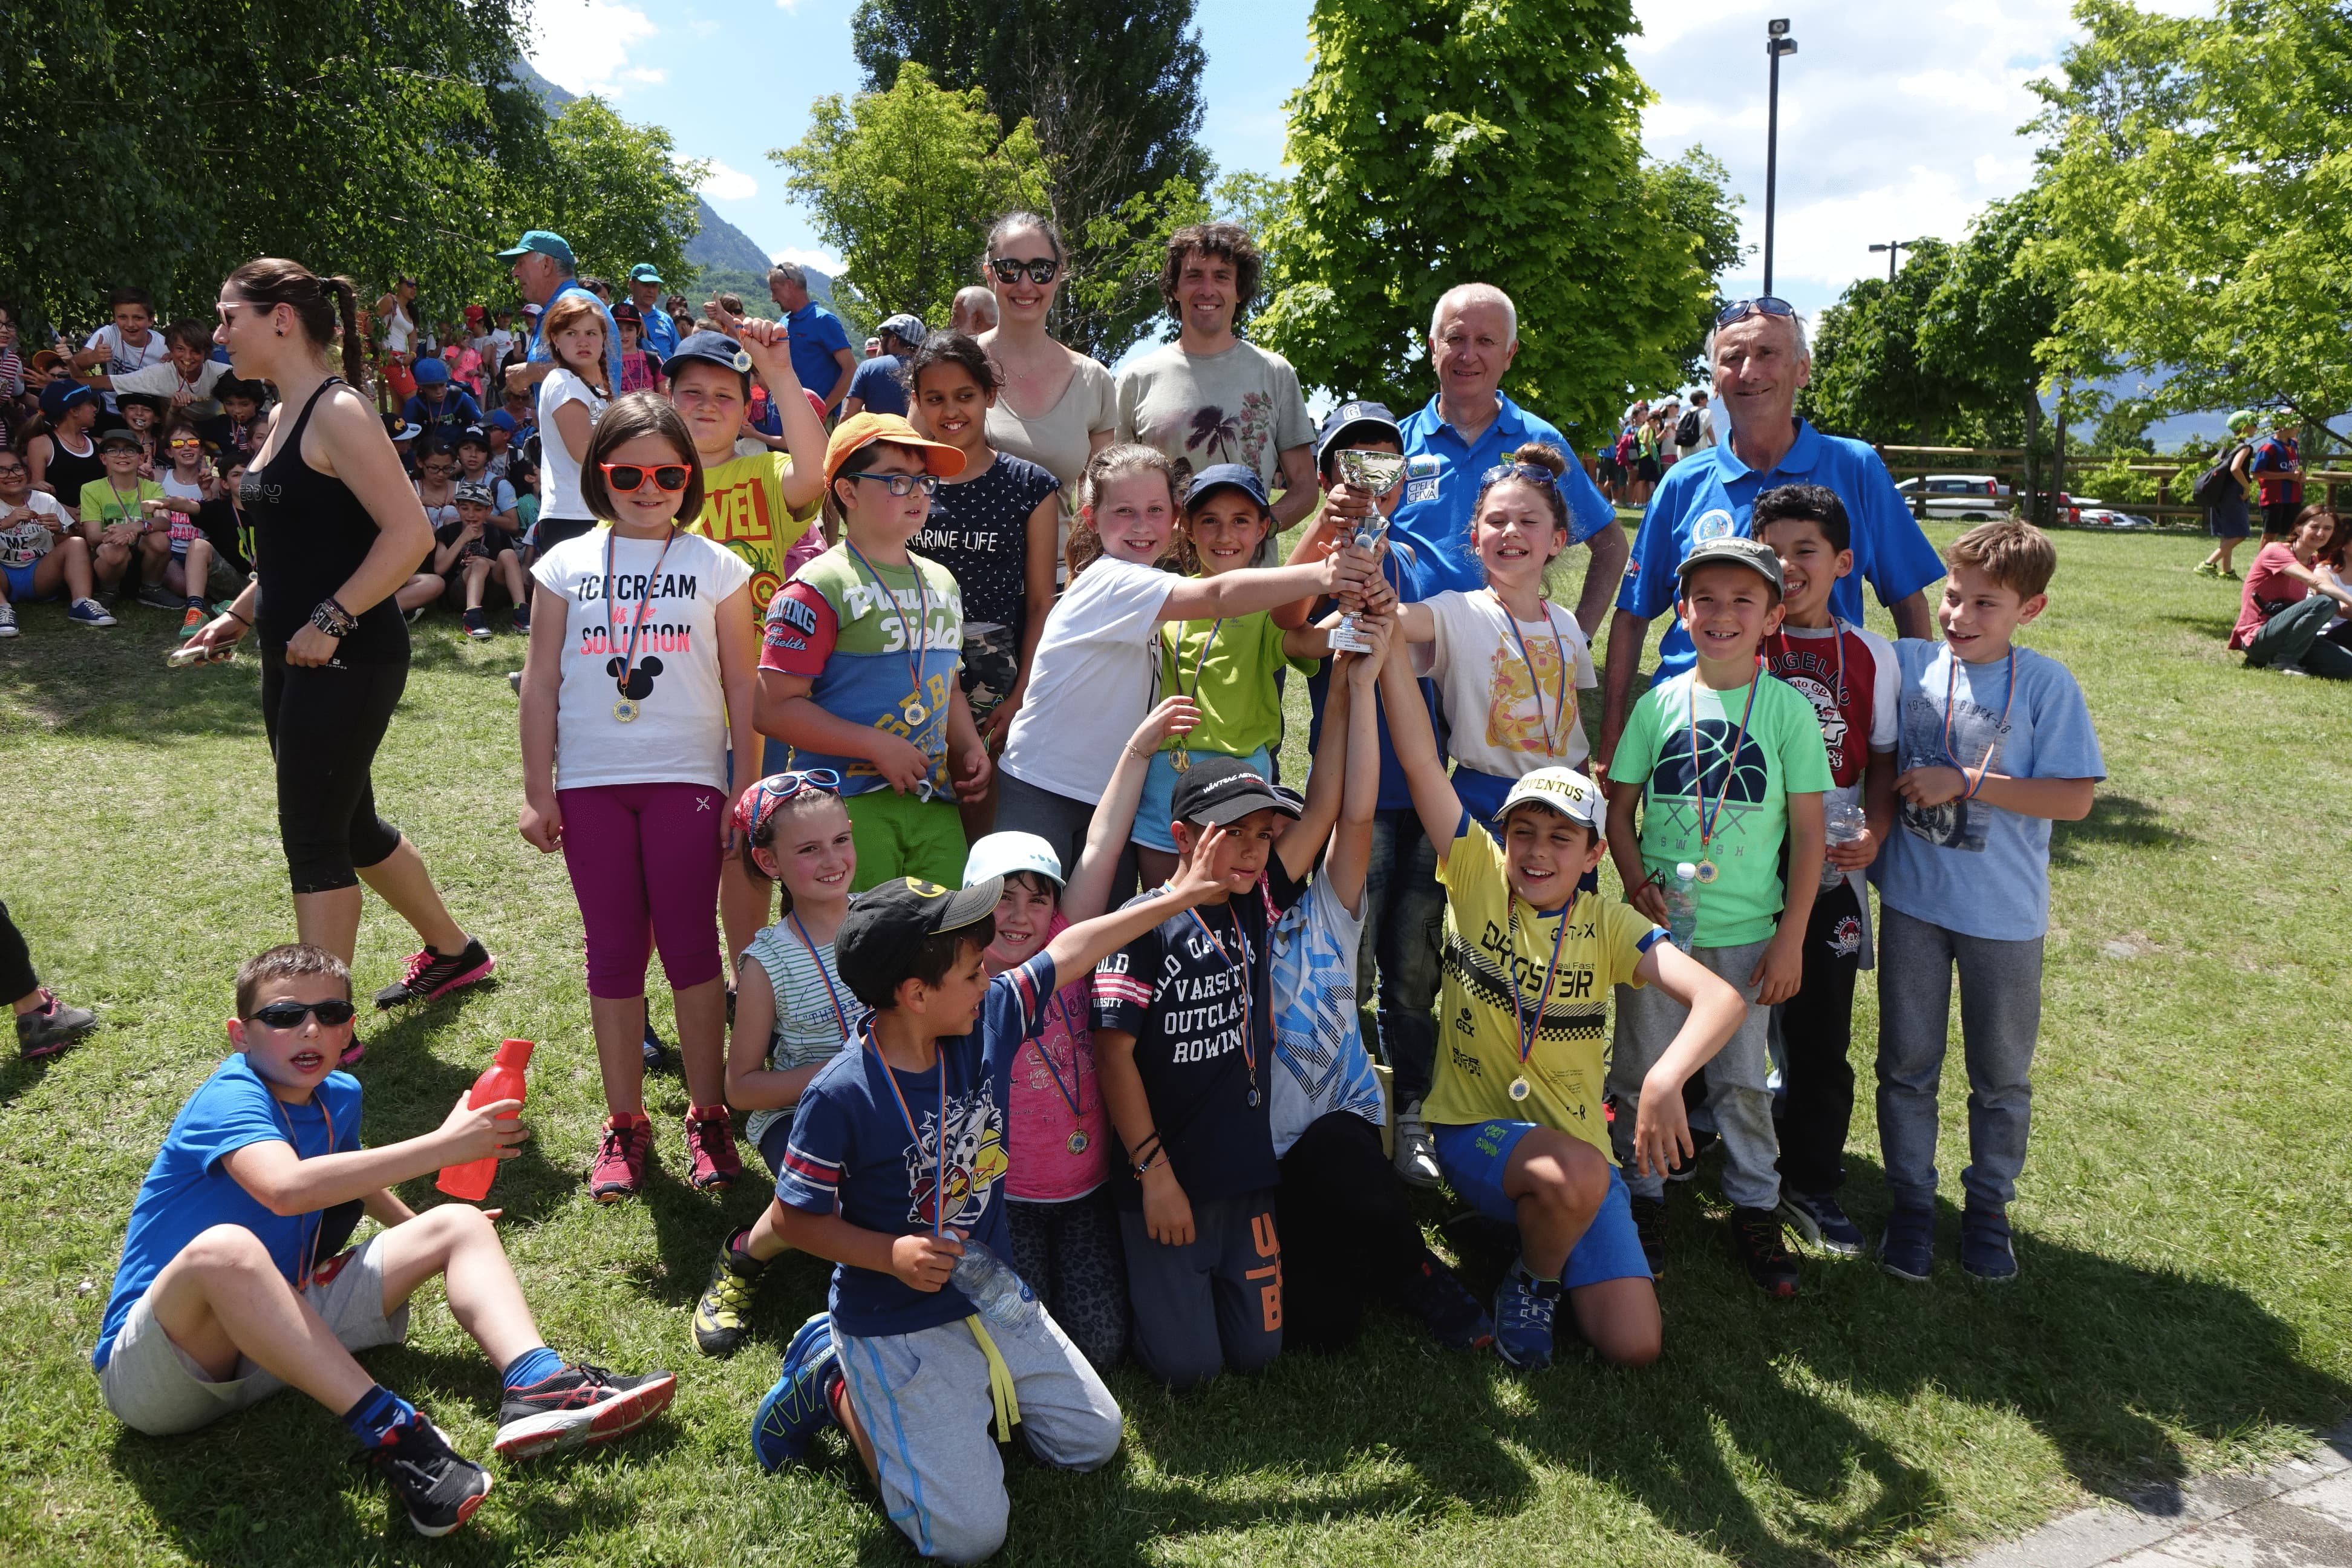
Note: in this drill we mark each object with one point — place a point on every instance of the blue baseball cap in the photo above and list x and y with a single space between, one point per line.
1362 421
430 373
708 348
1218 476
643 272
504 421
59 395
552 245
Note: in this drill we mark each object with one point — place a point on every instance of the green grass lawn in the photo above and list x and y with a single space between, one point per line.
2183 1220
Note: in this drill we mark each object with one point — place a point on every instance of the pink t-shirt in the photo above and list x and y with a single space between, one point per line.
1046 1169
2266 581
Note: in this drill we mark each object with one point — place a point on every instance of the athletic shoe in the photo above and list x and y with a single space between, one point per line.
477 624
1649 1224
156 596
1454 1318
711 1143
735 1277
1702 1139
799 1405
1817 1218
1524 1306
1416 1154
2206 569
432 974
1907 1247
1986 1255
522 618
192 621
1756 1242
580 1404
51 1027
413 615
440 1486
88 612
8 620
621 1160
659 1058
2229 576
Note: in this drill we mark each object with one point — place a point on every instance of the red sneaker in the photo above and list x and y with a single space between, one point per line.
621 1160
710 1139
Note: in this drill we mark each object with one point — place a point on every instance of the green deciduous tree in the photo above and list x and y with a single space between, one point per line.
2200 180
1443 141
1692 194
904 182
615 191
1984 326
1868 376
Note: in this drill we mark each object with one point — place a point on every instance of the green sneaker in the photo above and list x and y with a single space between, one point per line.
2206 569
719 1327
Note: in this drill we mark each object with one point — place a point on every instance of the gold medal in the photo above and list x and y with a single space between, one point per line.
915 713
625 711
1180 761
1707 871
1522 1088
1078 1142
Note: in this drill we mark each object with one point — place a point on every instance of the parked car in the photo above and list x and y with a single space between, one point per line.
2093 515
1975 497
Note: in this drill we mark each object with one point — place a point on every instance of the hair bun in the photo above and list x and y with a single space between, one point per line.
1542 454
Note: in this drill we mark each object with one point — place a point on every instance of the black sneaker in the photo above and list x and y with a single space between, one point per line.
578 1405
719 1327
1819 1219
476 623
51 1026
432 974
522 618
440 1486
1986 1255
1702 1139
156 596
658 1055
1454 1318
1649 1224
1756 1242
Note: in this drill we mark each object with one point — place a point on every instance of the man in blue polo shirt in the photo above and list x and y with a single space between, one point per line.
544 270
645 293
1760 360
821 356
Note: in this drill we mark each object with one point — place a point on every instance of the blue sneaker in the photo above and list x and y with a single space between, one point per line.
88 612
1817 1218
1985 1253
1524 1306
1907 1247
800 1405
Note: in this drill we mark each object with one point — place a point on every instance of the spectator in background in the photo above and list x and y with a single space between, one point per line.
973 313
474 468
503 340
545 272
394 312
640 367
1056 407
441 408
464 359
64 457
41 555
499 428
877 387
2291 593
1694 431
873 347
12 366
821 354
601 289
126 343
2226 517
2277 469
646 294
188 379
240 403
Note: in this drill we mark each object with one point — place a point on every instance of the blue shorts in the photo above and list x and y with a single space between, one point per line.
1474 1154
20 585
1158 809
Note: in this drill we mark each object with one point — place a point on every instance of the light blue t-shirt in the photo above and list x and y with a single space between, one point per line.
1711 493
1968 866
1317 1039
187 1193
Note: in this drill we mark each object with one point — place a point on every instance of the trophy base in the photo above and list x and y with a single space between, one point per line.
1346 638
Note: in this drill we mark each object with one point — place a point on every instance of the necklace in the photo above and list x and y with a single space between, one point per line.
628 709
1179 758
912 709
1078 1140
307 1238
1951 676
1553 748
940 1176
1706 819
1242 971
1529 1022
840 1015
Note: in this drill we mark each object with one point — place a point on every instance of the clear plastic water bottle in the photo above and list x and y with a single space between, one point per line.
1845 822
1001 1296
1682 905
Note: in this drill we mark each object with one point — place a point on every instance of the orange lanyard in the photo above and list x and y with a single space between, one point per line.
940 1180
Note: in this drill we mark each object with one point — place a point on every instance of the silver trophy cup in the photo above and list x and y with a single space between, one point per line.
1375 473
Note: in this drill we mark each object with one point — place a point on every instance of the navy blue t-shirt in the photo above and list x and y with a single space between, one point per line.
850 1145
875 383
187 1193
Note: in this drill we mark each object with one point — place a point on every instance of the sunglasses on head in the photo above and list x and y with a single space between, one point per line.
757 804
628 477
1762 305
1511 468
902 484
1008 268
333 1013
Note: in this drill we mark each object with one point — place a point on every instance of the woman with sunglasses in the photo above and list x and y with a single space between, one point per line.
1056 407
337 531
638 678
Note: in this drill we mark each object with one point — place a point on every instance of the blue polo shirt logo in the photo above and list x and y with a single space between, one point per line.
1422 472
1713 524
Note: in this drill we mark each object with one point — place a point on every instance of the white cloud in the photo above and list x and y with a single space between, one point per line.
584 45
723 183
828 265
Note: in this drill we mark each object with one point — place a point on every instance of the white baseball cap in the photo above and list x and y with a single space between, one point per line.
1563 790
1001 854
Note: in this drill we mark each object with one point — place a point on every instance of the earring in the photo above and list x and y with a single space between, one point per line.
281 331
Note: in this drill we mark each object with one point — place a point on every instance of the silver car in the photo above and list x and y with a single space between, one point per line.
1973 497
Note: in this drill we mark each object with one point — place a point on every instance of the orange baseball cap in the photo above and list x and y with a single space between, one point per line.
865 429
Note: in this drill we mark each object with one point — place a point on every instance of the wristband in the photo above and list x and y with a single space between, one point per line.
333 619
1159 1157
240 620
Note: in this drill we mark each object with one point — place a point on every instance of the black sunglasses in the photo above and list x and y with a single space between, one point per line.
333 1013
1762 305
1008 269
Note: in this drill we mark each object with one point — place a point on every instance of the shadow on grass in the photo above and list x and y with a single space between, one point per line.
2116 821
112 684
2217 628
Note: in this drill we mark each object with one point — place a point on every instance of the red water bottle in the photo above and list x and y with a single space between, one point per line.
503 1081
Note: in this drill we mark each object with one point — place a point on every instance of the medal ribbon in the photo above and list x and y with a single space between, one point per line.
1787 654
914 639
939 1180
1176 743
1529 1026
306 1239
637 626
1706 819
1951 676
1249 1043
840 1015
1553 748
1070 1095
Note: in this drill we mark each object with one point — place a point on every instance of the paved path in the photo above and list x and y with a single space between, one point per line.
2296 1516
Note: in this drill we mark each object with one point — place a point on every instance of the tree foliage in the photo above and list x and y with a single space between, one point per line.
1692 194
1112 89
2200 181
163 145
904 184
1444 142
1869 378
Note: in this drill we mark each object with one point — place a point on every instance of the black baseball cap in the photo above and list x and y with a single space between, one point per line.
1359 421
886 925
1218 791
709 348
120 436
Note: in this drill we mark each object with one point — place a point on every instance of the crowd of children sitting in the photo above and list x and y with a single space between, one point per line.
983 901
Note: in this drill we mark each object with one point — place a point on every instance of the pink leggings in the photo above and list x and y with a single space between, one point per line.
643 859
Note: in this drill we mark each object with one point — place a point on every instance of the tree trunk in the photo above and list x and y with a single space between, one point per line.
2033 508
2058 455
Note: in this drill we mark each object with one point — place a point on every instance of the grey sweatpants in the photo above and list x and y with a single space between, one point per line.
925 1402
2001 1014
1647 1022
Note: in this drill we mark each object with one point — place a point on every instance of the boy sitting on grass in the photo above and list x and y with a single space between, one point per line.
235 1281
897 1154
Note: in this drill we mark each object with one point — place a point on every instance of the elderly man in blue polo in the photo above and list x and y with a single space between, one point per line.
645 293
545 271
1760 359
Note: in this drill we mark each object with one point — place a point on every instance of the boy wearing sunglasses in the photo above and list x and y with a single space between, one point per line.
236 1281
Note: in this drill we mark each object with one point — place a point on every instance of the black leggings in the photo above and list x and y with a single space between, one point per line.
325 724
1348 1238
17 980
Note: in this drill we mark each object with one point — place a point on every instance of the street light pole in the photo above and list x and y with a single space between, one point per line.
1892 248
1777 43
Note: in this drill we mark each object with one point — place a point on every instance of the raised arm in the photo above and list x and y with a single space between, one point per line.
1414 741
770 345
1351 846
1087 892
1256 588
1081 946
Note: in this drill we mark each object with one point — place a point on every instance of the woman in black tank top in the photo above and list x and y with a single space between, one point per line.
330 549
